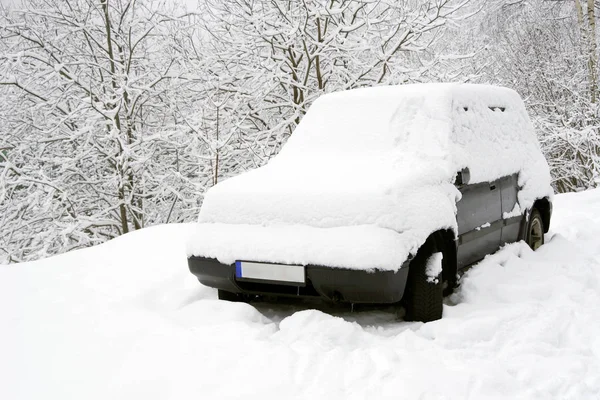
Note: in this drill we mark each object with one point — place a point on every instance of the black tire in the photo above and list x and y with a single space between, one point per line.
423 295
534 235
229 296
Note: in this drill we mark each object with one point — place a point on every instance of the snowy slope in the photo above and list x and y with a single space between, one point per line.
125 320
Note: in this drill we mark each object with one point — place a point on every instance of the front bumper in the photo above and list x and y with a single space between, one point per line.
333 284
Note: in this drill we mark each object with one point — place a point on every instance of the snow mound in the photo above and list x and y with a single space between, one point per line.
383 157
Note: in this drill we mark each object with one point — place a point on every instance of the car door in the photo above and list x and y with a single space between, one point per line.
479 217
511 224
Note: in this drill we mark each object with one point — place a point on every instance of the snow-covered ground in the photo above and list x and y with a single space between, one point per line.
125 320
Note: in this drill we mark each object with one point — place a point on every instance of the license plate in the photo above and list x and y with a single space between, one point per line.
274 273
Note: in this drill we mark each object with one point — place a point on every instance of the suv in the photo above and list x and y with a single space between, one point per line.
381 195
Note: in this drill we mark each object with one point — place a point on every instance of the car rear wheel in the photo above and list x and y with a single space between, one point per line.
424 288
535 230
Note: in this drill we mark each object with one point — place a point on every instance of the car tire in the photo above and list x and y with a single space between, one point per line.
424 293
534 235
229 296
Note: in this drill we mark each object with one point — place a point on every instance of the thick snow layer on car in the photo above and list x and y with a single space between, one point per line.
126 320
434 268
350 246
384 157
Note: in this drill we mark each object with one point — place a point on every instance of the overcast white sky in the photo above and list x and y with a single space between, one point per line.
190 4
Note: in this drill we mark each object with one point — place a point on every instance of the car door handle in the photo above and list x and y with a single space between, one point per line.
492 187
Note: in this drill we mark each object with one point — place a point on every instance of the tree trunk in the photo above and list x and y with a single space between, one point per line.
216 176
593 57
116 118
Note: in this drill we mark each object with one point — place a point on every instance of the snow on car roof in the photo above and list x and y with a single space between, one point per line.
381 158
455 124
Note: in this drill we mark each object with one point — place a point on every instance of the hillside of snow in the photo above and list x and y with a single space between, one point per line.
126 320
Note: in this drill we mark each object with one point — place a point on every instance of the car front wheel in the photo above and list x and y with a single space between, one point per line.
424 288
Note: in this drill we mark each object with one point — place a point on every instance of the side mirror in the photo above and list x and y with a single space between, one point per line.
463 177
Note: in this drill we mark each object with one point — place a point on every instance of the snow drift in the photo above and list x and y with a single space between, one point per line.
370 167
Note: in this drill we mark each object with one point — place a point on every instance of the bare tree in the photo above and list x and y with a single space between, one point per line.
547 51
306 48
88 84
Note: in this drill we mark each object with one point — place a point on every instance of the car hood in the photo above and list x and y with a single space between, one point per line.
342 193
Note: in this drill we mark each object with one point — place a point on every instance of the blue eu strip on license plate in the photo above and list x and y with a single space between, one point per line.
270 272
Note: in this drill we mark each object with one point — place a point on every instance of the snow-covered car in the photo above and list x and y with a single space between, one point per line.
381 195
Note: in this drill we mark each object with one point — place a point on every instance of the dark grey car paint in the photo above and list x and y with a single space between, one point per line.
510 188
480 205
481 226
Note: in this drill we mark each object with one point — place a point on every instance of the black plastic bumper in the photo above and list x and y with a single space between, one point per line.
334 284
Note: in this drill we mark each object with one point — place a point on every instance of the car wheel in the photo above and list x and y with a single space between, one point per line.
230 296
424 287
534 236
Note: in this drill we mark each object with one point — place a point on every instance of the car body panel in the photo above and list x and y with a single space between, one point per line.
334 284
511 228
477 214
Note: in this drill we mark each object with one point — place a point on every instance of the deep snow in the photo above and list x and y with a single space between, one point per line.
125 320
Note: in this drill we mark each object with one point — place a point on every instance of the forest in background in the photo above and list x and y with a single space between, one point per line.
120 114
